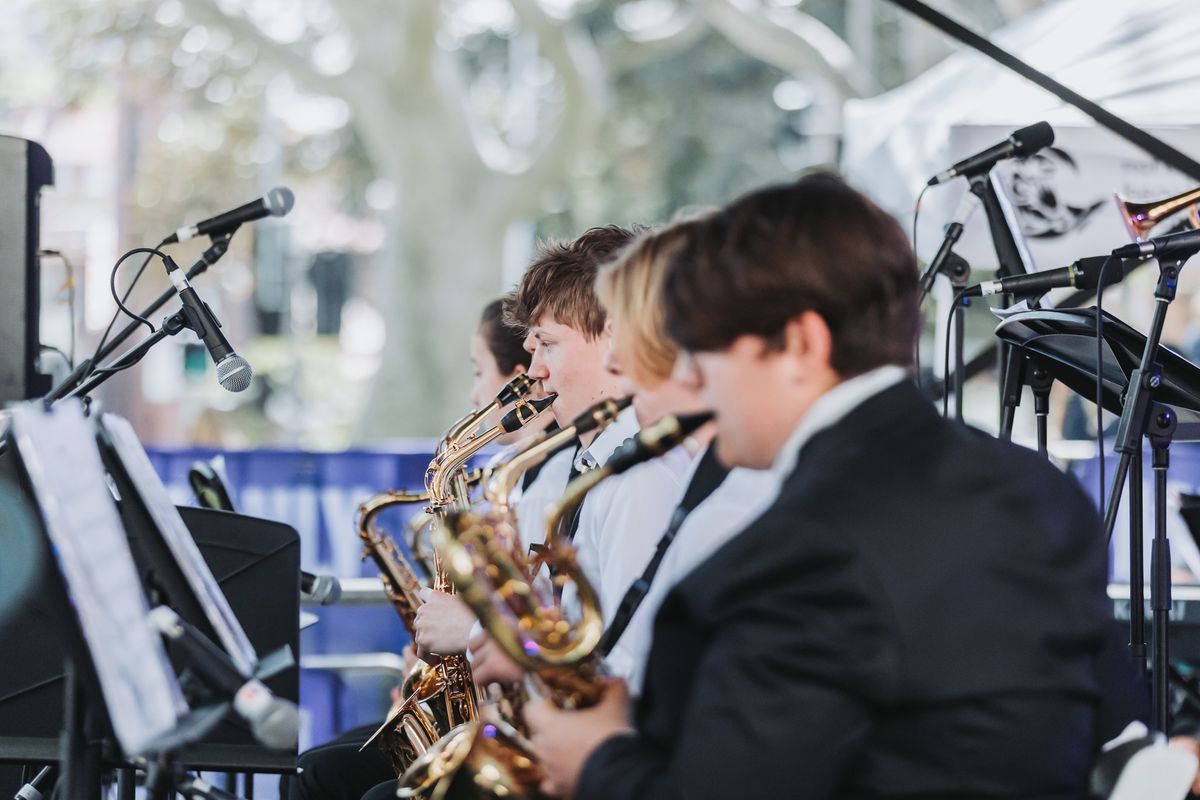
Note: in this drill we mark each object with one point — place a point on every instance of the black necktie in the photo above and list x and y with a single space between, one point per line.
708 476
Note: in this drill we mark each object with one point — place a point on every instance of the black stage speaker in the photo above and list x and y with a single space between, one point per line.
257 564
25 168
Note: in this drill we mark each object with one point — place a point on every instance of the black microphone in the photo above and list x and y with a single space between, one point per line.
275 203
321 590
1024 142
1165 248
233 372
274 721
1083 274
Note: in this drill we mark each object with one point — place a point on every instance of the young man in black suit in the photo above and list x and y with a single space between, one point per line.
920 611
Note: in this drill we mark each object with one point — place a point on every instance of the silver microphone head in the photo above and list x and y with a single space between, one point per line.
234 373
279 201
279 726
326 590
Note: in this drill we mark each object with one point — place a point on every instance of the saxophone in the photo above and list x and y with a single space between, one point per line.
410 733
436 698
494 760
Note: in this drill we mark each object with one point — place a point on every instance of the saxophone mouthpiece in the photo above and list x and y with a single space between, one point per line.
600 414
514 390
655 440
524 412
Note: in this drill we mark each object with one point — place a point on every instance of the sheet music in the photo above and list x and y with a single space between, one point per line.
166 517
58 450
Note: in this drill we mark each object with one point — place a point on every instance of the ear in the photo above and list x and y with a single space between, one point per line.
518 370
808 343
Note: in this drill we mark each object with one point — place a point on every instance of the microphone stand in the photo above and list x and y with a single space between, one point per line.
170 326
1142 417
68 386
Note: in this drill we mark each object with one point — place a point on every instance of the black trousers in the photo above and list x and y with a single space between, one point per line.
337 771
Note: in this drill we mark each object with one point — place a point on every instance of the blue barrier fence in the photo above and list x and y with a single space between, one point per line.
317 494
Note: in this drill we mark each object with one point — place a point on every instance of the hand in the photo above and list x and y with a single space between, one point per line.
490 664
1190 744
564 740
410 659
442 626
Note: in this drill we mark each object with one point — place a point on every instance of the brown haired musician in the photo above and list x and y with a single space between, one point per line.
918 613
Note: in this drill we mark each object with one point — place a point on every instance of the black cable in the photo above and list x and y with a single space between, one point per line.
117 313
1100 376
916 254
112 283
54 349
916 213
958 296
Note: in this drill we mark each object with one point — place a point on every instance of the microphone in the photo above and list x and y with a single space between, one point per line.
275 722
41 786
954 231
321 590
1083 274
194 787
275 203
1024 142
1175 246
233 371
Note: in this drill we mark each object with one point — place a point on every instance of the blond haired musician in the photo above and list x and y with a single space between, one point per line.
716 502
920 610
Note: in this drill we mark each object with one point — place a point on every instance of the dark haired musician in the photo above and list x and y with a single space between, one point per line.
919 612
337 769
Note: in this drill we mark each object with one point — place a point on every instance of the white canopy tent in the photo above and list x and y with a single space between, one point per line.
1138 60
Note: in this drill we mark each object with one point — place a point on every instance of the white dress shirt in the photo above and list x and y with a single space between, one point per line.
740 498
623 517
534 501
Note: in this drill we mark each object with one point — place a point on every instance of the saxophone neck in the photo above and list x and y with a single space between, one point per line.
506 476
443 469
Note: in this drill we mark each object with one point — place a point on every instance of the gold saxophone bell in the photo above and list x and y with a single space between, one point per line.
1140 218
493 760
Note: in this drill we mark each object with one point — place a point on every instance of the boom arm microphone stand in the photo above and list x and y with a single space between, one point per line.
1009 262
85 372
1142 417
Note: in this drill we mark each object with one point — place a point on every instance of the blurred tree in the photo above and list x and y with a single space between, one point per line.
462 126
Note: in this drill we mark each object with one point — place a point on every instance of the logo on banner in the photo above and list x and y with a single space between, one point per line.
1042 210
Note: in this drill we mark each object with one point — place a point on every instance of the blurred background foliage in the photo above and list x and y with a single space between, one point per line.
430 144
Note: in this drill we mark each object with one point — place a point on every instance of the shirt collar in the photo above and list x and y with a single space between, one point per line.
831 407
607 441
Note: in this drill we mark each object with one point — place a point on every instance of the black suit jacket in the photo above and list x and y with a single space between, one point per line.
917 615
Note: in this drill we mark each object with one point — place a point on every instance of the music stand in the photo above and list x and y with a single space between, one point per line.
1062 344
113 654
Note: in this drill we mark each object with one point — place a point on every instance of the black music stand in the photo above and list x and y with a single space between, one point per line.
1062 345
122 702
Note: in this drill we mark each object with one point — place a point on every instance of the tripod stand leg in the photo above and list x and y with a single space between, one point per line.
1160 593
1137 569
1011 386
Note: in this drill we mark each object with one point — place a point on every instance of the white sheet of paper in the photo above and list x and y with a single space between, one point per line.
166 517
58 449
